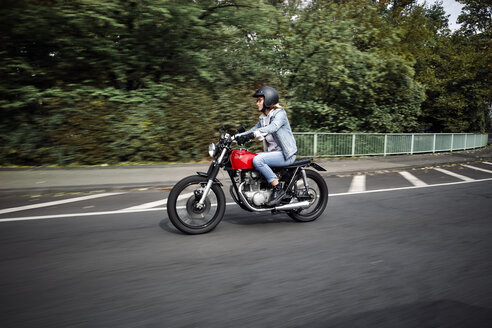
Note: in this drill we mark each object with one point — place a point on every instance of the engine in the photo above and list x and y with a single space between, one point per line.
255 188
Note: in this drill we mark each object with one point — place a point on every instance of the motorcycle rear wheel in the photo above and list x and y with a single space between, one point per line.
318 189
182 210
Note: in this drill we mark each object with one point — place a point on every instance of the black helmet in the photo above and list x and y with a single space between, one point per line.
270 94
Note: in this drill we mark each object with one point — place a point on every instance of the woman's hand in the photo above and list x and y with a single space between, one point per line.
242 139
260 135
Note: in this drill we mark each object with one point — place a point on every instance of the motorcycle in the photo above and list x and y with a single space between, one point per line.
197 203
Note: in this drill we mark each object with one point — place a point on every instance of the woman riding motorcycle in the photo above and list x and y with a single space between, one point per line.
274 129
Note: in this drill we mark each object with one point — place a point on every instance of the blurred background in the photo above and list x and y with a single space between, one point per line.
114 81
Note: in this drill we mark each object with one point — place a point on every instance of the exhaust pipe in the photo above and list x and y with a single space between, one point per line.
286 207
293 206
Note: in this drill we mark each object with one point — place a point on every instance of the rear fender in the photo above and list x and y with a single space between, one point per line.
317 167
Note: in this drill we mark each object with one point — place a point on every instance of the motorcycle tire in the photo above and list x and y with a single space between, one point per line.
320 192
182 211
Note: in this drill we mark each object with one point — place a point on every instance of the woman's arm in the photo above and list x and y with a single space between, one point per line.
276 123
253 129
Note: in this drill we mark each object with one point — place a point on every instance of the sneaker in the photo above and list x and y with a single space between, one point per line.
277 194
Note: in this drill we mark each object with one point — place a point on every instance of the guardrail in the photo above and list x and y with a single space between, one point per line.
361 144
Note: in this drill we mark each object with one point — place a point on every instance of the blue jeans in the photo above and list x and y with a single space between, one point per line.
263 161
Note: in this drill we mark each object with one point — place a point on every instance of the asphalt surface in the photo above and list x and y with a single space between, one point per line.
392 254
406 258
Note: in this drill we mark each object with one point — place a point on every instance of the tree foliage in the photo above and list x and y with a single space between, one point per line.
346 75
112 81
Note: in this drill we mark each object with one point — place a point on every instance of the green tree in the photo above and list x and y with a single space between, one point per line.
476 31
152 80
109 81
447 65
343 73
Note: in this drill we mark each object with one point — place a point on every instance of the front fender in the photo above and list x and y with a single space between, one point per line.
205 175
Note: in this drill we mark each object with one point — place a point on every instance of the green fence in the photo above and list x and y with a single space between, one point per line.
360 144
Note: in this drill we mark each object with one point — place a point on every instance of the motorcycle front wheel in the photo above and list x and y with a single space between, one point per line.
182 207
318 193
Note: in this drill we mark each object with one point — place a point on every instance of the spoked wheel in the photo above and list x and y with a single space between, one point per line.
185 213
317 194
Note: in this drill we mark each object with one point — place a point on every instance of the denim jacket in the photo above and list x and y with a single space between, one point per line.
279 128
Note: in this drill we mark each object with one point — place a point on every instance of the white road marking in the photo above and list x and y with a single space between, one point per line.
456 175
487 163
57 202
411 187
156 203
147 205
412 179
57 216
42 217
358 183
476 168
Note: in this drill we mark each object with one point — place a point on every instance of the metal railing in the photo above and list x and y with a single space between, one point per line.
361 144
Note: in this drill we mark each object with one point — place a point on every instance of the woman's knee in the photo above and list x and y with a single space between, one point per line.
258 161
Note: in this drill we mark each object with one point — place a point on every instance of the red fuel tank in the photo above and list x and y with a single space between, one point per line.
242 159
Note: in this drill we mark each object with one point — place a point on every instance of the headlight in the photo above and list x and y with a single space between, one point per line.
212 150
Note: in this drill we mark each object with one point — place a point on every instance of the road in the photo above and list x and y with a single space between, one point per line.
389 251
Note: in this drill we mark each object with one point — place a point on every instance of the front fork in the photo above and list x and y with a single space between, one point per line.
211 174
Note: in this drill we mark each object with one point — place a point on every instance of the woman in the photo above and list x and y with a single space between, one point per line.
274 129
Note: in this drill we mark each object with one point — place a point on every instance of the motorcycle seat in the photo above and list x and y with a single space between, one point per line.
300 162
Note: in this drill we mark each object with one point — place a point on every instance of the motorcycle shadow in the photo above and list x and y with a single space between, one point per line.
166 225
247 219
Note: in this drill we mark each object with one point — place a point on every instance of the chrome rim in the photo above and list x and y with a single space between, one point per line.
191 215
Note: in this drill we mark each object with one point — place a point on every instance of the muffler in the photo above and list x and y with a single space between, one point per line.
293 206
